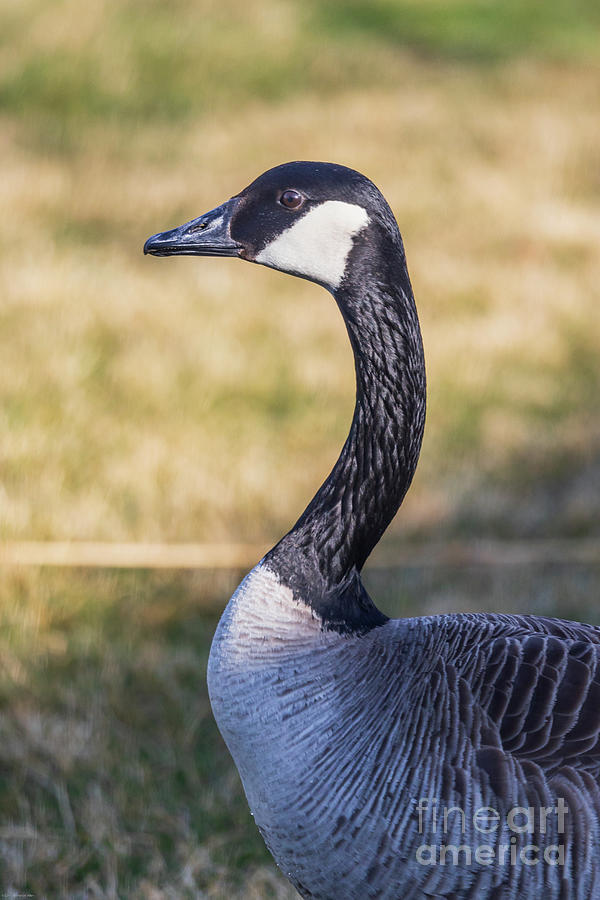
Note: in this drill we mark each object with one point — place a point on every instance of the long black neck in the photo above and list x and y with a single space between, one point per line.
321 557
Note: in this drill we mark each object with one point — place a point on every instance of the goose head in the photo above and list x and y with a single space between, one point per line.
302 218
331 225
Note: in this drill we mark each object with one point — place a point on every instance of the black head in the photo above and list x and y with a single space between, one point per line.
303 218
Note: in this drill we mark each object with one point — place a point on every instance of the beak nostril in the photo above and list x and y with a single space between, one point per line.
206 235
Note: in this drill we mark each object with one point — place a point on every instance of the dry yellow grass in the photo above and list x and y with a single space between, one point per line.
204 400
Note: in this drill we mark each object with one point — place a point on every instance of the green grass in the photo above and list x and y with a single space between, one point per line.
133 63
114 782
113 773
474 31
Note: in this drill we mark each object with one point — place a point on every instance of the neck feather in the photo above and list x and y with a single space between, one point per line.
321 557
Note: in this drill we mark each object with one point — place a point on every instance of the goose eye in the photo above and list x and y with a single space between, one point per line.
291 199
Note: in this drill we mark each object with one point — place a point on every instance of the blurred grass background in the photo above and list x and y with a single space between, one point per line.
188 400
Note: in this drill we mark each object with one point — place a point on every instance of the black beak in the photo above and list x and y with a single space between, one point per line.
208 235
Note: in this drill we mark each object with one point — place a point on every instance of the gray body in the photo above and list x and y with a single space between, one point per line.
337 738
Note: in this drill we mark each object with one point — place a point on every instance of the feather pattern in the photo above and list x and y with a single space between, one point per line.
469 712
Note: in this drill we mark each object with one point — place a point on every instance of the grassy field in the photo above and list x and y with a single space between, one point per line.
182 400
201 400
113 779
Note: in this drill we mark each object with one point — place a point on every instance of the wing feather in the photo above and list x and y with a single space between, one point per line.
541 692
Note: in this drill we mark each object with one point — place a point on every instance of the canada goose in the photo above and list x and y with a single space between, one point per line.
453 756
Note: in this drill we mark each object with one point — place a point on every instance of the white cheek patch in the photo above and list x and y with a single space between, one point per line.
317 246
